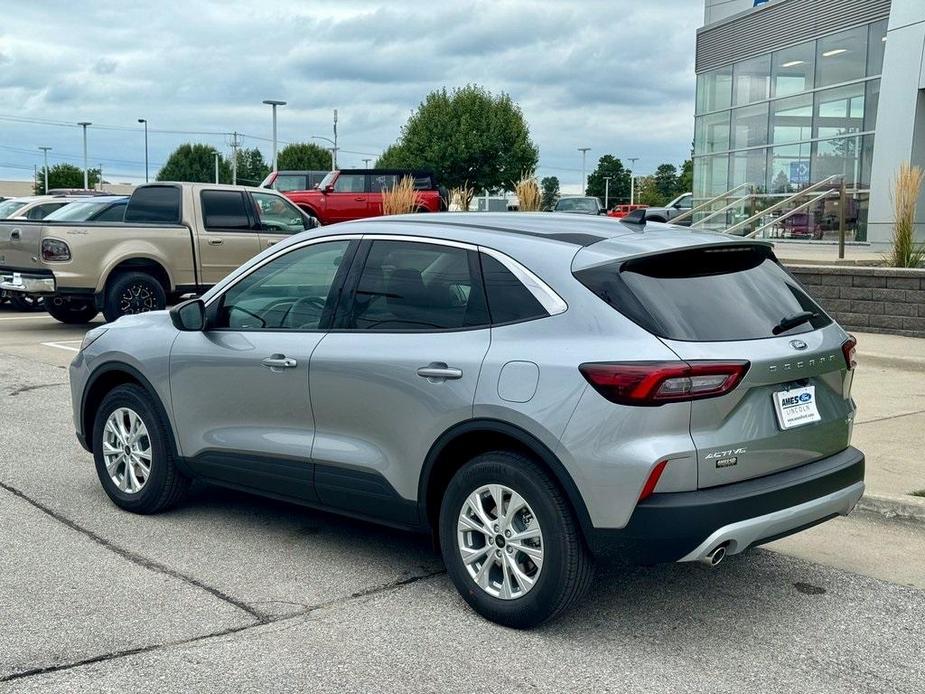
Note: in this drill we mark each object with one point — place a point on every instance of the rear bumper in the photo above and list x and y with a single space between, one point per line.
27 282
686 526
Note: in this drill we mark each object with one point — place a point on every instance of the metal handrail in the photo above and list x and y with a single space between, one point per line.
735 203
798 208
709 202
782 203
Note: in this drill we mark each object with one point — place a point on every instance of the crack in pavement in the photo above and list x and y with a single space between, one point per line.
892 416
26 389
260 618
374 590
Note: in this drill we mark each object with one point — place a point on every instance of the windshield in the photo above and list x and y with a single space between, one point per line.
577 204
9 207
76 211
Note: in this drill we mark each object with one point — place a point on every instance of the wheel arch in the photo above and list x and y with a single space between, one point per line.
103 380
467 439
144 264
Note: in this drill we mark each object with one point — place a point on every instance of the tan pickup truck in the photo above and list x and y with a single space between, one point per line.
176 238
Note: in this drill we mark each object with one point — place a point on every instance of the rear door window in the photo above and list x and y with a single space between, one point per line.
350 183
705 294
509 301
381 182
225 210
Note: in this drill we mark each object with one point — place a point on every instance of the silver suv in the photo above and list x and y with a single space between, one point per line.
535 390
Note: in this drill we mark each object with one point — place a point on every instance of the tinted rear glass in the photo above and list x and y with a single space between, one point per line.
712 294
154 204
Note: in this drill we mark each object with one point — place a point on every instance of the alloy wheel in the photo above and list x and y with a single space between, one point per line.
500 541
127 450
137 298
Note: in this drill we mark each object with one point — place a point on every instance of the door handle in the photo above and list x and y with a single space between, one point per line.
439 371
216 242
278 362
359 199
15 235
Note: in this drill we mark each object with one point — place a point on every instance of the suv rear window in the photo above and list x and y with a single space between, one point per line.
705 294
152 204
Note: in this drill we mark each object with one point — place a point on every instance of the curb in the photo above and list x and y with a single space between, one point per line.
908 508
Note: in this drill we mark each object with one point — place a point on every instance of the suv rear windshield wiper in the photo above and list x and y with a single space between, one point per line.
793 321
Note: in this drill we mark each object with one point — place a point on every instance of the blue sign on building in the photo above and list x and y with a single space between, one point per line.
799 172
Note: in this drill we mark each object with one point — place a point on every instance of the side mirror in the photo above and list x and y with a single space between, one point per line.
190 316
328 188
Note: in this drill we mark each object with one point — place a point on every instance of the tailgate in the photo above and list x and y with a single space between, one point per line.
740 435
20 245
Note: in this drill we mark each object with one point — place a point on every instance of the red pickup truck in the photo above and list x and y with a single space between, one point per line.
357 193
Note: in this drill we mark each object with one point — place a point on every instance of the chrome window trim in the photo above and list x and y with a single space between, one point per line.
542 292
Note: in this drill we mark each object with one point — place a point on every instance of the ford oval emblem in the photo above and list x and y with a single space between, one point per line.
798 344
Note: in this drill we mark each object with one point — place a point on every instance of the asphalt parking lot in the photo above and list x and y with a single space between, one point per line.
234 593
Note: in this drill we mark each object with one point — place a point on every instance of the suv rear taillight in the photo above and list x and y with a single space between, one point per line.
849 349
653 383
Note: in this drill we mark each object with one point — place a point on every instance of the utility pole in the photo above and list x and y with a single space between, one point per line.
632 161
144 120
216 155
366 161
607 192
335 139
84 124
101 178
235 143
584 177
45 156
274 103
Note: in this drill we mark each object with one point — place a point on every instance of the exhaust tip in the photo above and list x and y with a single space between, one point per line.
714 556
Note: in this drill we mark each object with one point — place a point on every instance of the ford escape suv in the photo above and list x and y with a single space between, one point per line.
536 391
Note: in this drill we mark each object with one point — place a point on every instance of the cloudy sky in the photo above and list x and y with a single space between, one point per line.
615 76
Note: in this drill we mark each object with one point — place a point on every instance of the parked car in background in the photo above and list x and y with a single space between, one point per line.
531 398
620 211
176 238
33 206
351 194
286 181
103 208
579 205
681 204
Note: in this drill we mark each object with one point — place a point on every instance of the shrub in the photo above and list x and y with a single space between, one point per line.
529 197
462 196
401 198
905 252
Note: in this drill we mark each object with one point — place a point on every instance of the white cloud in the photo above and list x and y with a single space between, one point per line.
613 76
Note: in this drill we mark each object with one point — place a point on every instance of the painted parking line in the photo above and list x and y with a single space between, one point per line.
64 345
37 316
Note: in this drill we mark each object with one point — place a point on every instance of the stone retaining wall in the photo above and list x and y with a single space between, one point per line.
868 299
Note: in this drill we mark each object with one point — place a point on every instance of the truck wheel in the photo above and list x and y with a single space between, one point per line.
27 302
71 311
133 292
510 541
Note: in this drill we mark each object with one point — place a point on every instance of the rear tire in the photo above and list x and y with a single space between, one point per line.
71 311
536 591
133 292
130 484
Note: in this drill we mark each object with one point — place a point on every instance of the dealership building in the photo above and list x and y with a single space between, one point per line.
791 93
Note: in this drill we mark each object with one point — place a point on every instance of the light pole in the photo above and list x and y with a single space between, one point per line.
143 120
101 177
84 124
216 155
333 149
584 179
45 156
335 138
366 161
274 103
632 161
607 192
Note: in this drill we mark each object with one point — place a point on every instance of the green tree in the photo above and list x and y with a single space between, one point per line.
467 136
609 165
686 177
304 156
550 189
394 157
647 192
666 181
252 169
65 176
194 163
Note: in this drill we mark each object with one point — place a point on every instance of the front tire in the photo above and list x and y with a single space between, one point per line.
133 454
510 541
133 292
71 311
